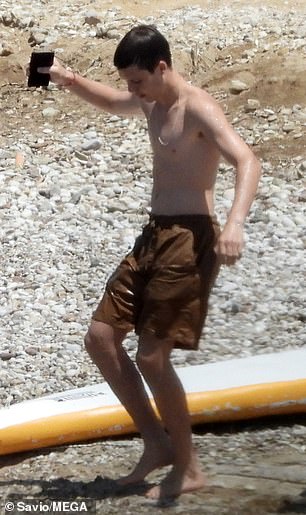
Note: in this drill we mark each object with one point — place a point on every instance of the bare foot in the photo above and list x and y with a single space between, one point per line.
152 459
177 483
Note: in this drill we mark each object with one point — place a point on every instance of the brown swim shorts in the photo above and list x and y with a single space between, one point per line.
162 286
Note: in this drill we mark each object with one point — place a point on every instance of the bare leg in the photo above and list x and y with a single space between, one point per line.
104 345
154 362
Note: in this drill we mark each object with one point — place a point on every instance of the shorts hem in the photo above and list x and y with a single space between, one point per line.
179 343
124 326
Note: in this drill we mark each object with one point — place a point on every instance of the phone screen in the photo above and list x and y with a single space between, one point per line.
39 59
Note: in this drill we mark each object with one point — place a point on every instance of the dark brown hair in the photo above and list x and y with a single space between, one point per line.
143 46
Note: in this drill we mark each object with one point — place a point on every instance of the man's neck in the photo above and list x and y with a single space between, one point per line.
172 91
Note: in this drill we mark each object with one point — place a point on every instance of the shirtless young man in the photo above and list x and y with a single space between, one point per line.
161 288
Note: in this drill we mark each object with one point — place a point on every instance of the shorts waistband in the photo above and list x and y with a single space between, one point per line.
167 221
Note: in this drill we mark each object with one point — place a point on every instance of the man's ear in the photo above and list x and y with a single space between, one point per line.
162 65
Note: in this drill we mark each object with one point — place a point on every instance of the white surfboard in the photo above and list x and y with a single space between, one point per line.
235 389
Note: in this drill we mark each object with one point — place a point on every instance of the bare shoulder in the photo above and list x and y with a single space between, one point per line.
206 114
201 104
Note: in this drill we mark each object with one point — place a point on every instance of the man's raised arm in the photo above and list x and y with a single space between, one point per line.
102 96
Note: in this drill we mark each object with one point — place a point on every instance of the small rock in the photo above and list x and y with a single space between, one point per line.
251 105
92 18
94 144
50 112
36 38
31 351
80 156
237 86
101 31
5 49
303 166
289 127
6 356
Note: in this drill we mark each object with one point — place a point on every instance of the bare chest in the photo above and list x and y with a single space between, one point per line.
167 128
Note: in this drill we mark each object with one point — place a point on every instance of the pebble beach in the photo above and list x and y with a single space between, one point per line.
75 191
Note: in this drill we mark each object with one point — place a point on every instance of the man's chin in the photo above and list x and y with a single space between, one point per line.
146 98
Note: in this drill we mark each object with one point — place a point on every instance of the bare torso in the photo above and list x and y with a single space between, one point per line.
185 161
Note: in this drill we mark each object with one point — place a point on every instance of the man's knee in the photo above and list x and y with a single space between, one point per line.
102 338
144 361
153 355
97 337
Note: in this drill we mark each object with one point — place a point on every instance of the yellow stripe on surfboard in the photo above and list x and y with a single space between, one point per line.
220 405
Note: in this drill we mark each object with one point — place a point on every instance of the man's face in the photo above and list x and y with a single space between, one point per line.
142 83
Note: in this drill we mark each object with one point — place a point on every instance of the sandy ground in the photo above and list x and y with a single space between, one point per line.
283 70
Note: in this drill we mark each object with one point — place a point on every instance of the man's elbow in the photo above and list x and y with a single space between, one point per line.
256 166
251 164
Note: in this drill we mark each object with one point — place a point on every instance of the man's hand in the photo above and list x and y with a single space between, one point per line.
230 243
58 74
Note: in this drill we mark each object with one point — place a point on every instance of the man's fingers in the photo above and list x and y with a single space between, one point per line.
228 250
228 254
229 260
230 244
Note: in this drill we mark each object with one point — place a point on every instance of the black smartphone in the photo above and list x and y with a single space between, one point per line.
39 59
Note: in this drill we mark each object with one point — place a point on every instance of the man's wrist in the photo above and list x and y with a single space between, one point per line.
71 79
239 223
